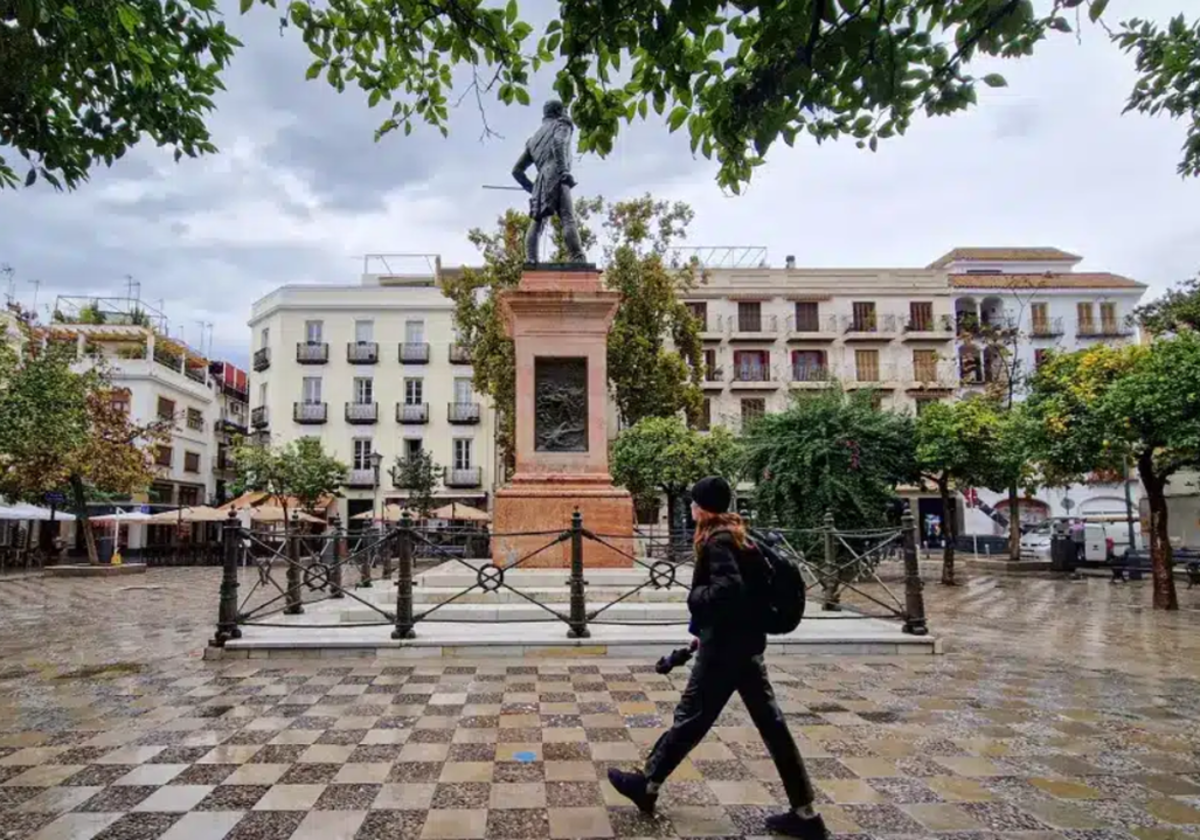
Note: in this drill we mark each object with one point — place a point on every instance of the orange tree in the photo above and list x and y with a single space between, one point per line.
61 428
1096 407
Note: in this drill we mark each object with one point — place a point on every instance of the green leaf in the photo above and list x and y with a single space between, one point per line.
510 11
31 177
128 17
314 70
678 115
246 4
522 95
995 80
1096 9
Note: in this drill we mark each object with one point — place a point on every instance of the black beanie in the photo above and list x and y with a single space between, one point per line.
712 494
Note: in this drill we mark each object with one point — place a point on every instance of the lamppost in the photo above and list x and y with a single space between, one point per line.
376 460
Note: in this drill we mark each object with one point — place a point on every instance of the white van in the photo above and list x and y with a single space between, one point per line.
1097 539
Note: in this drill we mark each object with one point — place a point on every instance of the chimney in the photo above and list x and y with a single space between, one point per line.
790 261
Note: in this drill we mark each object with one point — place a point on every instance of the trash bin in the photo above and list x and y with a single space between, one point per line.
1062 548
104 550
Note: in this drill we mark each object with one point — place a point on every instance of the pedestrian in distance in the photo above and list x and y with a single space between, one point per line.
729 596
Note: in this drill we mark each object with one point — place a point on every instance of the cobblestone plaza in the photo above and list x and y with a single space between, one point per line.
1060 711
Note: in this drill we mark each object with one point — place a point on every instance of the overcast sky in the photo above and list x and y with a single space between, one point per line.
300 192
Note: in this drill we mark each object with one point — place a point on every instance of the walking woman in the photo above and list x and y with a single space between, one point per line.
728 589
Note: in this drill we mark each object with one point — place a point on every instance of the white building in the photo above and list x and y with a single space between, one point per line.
372 368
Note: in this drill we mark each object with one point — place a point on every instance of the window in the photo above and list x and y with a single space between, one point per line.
1039 313
162 456
414 332
462 453
1039 357
699 310
412 447
970 365
924 365
704 421
362 454
364 331
752 365
166 409
923 403
263 337
311 394
120 400
808 365
363 389
866 365
262 393
414 391
1108 318
313 330
189 496
195 419
711 372
749 316
808 316
920 315
1084 313
462 389
191 462
752 409
864 316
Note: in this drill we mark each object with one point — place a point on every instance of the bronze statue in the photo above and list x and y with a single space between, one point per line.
549 150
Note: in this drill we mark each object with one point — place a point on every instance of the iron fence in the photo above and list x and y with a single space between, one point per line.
845 566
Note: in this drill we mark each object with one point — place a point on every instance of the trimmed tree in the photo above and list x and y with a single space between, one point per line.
61 428
419 474
299 470
661 455
1097 407
1177 309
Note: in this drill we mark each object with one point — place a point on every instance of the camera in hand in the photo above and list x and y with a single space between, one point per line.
680 656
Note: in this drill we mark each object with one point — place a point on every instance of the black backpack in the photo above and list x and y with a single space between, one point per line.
785 596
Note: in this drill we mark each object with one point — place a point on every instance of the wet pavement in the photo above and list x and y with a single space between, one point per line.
1061 711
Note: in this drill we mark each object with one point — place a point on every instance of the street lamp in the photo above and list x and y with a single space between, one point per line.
376 460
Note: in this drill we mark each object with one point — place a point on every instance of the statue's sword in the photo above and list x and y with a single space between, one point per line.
495 187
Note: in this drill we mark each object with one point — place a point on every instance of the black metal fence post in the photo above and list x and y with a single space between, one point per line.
364 560
831 579
404 581
227 611
294 595
385 548
339 553
914 596
578 623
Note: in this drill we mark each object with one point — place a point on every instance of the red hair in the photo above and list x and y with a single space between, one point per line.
710 523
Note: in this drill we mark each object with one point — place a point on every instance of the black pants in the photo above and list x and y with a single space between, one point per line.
713 681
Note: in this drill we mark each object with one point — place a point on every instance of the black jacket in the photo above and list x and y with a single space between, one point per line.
727 587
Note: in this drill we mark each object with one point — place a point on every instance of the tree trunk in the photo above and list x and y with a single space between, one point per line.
948 531
79 497
1014 524
1160 543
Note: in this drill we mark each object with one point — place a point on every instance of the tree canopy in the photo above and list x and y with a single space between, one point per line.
738 76
300 470
1177 309
662 455
419 474
1098 407
647 377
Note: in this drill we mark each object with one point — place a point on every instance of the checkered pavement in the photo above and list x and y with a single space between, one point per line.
984 748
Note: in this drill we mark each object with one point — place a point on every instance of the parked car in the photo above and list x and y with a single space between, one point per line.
1096 541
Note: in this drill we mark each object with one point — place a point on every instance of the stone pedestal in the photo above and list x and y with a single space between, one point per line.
559 320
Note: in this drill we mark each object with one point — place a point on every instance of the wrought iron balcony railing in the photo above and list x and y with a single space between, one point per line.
310 414
460 354
362 352
412 412
469 477
262 359
463 412
362 413
259 417
414 353
312 353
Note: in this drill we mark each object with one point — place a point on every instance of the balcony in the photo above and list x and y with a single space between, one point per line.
362 478
1046 328
196 374
812 329
412 412
940 376
1105 329
463 412
714 379
761 328
362 352
262 359
883 378
232 423
312 353
468 477
869 327
362 414
310 414
460 354
937 328
753 378
414 353
259 417
811 376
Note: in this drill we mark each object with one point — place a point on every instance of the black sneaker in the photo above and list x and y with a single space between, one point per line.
633 787
791 824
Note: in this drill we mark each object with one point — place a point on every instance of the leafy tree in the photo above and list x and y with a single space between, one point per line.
420 475
661 455
1097 407
959 445
647 377
60 428
1177 309
299 470
833 451
739 76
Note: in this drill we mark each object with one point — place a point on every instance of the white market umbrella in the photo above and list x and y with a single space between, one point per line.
200 513
22 510
461 513
122 517
391 513
271 513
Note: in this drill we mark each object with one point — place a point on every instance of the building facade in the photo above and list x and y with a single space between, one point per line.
372 369
231 389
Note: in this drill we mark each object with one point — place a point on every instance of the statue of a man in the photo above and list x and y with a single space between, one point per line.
549 149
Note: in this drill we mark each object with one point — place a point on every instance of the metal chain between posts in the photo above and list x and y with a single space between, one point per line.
227 617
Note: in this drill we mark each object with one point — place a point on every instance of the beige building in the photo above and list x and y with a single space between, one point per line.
372 369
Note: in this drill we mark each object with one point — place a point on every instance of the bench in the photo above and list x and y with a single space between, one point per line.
1134 563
